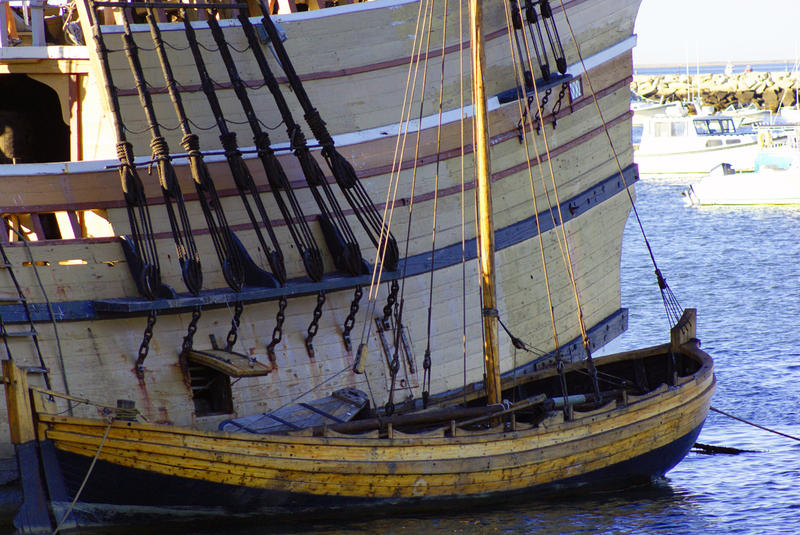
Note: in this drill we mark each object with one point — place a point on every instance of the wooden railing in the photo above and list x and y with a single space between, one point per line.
25 22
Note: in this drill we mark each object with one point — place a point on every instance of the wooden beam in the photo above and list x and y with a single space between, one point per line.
20 416
32 516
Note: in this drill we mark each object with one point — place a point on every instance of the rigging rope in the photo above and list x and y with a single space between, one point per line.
671 304
552 34
753 424
427 362
221 235
342 170
545 270
27 308
535 23
295 219
146 263
85 478
181 228
244 180
342 243
426 28
241 174
557 219
399 149
463 201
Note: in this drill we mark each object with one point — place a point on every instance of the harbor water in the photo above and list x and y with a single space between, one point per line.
740 267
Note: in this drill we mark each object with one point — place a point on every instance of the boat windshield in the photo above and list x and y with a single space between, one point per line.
705 127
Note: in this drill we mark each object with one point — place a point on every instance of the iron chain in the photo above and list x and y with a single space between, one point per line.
426 377
277 332
557 105
539 114
390 302
350 321
394 367
188 340
233 334
145 347
314 326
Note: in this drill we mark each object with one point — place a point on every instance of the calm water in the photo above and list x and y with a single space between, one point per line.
739 268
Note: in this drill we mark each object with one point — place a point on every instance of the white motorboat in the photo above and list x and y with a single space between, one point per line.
775 180
686 144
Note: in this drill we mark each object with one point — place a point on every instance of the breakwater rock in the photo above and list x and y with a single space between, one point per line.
766 90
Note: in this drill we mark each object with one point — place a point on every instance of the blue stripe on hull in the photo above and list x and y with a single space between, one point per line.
162 495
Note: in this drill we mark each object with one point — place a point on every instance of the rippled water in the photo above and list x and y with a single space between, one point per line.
739 268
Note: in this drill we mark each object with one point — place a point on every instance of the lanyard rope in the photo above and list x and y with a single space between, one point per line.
180 225
144 261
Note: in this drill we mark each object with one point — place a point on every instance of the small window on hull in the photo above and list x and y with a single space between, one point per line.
211 391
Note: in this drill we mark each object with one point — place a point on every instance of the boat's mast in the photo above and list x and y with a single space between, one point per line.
485 225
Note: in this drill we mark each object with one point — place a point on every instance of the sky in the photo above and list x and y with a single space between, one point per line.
691 31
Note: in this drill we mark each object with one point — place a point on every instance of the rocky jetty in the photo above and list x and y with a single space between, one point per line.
766 90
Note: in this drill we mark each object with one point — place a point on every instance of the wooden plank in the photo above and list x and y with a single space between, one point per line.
47 192
675 400
340 406
229 363
109 347
20 416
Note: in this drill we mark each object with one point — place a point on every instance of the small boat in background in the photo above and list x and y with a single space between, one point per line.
775 179
682 144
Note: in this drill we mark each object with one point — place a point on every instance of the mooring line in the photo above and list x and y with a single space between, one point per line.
753 424
85 479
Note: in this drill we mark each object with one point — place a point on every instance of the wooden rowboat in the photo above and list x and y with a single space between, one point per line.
635 433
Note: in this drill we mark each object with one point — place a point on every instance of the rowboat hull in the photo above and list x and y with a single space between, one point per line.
109 503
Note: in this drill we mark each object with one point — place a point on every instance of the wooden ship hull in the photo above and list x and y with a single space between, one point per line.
99 470
231 373
79 287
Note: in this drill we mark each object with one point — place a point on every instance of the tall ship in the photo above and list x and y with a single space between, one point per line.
279 256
